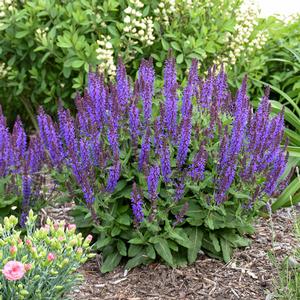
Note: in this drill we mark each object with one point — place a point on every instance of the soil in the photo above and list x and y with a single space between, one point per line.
249 275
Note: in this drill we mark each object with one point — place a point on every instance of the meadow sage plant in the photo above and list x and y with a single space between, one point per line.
166 172
162 172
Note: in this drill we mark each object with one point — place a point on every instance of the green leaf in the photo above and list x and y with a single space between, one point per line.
113 30
176 46
215 241
286 197
136 241
21 34
77 63
150 252
139 259
122 248
124 219
110 262
165 44
115 231
195 236
102 243
134 250
179 235
162 248
226 250
179 59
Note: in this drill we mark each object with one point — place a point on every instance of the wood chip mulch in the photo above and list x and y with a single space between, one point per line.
249 275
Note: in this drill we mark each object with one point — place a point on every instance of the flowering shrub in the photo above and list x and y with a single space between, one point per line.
42 264
169 177
54 43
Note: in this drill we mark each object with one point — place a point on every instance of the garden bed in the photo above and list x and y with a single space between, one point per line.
248 275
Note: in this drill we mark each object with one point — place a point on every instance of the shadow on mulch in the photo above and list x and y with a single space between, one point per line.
248 276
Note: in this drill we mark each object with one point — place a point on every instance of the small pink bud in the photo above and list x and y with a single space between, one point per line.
47 227
89 238
56 226
79 250
13 250
28 267
28 243
50 256
61 238
71 227
19 241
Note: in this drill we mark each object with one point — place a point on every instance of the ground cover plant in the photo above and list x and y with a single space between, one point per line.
164 172
41 264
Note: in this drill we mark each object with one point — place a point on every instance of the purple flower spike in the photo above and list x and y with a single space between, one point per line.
114 175
123 86
196 170
145 150
185 138
171 99
165 162
26 185
137 205
146 77
152 182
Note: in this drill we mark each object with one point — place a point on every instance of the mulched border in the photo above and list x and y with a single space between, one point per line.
249 275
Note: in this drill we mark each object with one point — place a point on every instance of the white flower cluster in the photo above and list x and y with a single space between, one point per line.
137 27
105 55
4 70
242 41
290 19
5 4
164 10
41 34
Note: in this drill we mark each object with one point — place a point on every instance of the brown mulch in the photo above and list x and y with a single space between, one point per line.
249 275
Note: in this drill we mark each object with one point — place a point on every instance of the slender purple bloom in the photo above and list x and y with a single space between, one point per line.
123 86
134 122
171 99
114 175
26 189
137 205
165 161
185 138
196 170
145 150
152 181
146 87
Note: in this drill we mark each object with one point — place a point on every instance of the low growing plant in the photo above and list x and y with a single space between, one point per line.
42 264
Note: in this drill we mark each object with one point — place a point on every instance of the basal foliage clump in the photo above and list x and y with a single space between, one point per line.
163 173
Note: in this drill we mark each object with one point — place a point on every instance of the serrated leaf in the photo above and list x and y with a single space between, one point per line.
195 236
133 250
102 243
115 231
215 241
136 241
124 219
150 252
136 261
226 250
110 262
122 248
163 250
180 237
